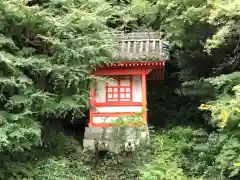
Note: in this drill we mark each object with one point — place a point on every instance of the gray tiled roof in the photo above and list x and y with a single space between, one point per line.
141 46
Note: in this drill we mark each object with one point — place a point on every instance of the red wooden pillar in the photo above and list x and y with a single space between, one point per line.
92 105
144 97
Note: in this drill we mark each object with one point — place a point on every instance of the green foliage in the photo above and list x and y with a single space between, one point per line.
48 50
59 158
225 107
220 151
47 54
226 18
165 163
187 153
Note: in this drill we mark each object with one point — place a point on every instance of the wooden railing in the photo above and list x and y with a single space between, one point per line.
141 45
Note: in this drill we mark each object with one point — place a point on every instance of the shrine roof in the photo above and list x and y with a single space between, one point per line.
141 46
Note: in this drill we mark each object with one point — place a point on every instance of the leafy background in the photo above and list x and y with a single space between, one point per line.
47 51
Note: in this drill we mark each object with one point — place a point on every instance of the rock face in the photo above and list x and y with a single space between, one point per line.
115 139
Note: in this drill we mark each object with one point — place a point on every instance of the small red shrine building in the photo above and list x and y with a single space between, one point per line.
142 57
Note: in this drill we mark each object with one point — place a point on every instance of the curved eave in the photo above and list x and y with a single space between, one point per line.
139 64
129 68
136 64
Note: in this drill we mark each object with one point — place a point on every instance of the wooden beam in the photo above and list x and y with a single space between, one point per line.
121 71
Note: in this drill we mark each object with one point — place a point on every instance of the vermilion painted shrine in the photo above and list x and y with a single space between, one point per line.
141 57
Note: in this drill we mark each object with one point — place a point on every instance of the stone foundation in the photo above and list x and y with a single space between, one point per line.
115 139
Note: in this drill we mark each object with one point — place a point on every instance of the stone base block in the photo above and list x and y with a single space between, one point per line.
89 144
115 139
